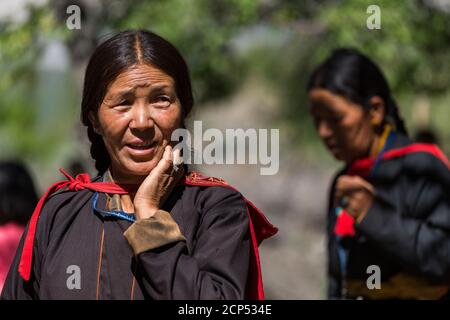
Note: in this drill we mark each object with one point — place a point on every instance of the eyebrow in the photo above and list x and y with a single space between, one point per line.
128 92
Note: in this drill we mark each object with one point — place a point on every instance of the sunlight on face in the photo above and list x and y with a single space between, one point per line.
136 119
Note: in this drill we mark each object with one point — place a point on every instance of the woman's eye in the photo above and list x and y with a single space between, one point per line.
338 119
333 118
124 103
162 102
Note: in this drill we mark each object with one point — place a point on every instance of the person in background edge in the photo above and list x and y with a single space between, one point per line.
17 200
389 207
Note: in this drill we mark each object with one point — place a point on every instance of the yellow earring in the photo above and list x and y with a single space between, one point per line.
375 122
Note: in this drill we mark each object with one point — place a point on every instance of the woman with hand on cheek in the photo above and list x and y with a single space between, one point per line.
144 228
389 208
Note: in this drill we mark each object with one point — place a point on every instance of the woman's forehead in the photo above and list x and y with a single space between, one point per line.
323 100
141 76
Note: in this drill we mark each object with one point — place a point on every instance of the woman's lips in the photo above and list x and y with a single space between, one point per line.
141 149
334 148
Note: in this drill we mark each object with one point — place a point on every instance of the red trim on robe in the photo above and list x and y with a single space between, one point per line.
362 167
260 228
80 182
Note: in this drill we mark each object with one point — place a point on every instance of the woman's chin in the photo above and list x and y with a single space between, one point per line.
337 154
140 168
143 169
342 157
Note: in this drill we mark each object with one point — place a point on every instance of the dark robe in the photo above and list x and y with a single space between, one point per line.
212 262
406 232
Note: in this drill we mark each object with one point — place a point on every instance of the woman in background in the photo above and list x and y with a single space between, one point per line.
389 207
17 201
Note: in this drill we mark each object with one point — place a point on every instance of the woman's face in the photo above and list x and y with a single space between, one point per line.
344 126
136 119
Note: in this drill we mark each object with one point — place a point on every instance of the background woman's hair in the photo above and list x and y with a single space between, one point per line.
115 56
353 75
17 194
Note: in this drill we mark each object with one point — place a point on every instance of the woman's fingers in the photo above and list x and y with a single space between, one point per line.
342 188
171 161
159 183
349 186
354 194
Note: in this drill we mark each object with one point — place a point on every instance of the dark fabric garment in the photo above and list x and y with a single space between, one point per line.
407 230
211 264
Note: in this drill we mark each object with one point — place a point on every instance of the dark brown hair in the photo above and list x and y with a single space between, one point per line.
349 73
115 56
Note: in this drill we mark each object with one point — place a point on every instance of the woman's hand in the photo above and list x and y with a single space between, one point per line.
160 182
355 195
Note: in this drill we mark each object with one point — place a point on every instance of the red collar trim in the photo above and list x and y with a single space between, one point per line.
362 167
260 228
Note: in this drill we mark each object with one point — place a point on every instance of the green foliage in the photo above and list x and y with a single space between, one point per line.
201 30
412 46
291 38
20 47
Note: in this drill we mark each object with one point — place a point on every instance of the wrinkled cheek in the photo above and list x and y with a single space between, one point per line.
112 143
170 127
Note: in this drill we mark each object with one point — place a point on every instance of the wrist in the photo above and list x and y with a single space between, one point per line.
145 212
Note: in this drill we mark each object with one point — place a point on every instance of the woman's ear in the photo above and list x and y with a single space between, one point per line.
377 110
94 122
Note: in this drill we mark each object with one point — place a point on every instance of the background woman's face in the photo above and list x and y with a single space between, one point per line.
344 126
136 119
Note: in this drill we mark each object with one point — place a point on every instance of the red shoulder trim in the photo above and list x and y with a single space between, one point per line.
260 229
418 147
363 167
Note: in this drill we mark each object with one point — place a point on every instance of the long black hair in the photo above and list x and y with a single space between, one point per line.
349 73
18 196
115 56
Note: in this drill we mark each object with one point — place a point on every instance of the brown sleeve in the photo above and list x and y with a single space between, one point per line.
154 232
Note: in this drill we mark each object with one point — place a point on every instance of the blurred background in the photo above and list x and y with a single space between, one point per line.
249 61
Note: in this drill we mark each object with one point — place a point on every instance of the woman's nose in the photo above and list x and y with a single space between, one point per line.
324 130
141 118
